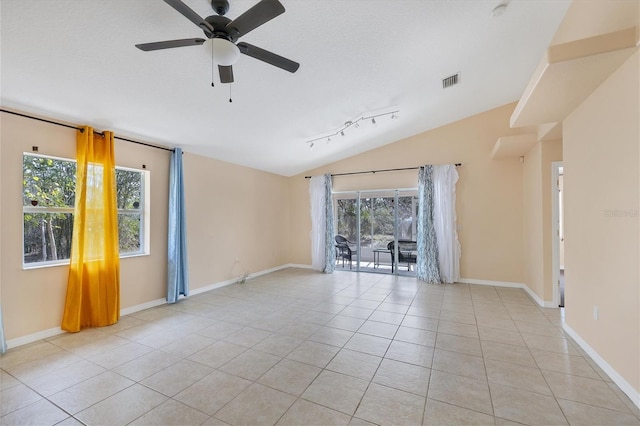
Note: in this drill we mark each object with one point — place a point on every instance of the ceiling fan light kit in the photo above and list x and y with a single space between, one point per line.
224 33
224 52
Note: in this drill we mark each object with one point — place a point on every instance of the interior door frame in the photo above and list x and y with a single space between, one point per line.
555 231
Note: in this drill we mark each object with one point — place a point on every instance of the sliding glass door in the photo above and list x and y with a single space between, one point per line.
371 221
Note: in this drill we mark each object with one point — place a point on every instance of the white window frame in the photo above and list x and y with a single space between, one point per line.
143 210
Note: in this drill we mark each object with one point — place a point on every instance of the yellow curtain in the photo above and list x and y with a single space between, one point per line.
93 287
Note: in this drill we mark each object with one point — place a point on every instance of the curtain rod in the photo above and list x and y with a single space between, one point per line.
377 171
82 130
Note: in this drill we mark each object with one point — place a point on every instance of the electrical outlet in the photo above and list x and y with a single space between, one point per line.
596 312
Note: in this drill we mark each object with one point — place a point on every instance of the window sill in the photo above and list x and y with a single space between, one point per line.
129 255
41 265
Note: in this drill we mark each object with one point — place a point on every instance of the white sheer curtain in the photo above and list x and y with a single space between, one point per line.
444 218
323 252
318 222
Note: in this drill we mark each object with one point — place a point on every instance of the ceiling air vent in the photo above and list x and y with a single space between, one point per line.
452 80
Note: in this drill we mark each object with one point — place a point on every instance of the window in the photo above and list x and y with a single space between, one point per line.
48 205
130 190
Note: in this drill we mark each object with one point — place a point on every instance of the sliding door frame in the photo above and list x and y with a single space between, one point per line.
357 195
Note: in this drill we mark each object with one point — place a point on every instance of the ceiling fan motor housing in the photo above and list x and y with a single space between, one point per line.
221 7
220 30
223 33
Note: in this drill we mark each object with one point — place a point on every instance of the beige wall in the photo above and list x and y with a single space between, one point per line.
551 152
588 18
33 299
232 212
601 180
489 192
538 217
601 139
532 200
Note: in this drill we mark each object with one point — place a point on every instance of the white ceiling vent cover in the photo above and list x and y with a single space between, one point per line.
452 80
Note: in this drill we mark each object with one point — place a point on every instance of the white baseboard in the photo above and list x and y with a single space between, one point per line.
632 393
535 297
44 334
142 307
298 265
236 279
30 338
491 283
539 301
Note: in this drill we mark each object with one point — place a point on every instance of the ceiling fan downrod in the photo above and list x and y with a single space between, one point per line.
221 7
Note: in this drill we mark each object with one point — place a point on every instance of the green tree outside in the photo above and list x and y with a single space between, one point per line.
50 182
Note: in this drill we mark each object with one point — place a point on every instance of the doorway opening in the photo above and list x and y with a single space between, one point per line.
557 204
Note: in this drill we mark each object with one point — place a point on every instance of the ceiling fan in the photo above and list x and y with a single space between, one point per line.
224 33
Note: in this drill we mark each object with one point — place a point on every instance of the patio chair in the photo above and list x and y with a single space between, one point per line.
406 253
344 251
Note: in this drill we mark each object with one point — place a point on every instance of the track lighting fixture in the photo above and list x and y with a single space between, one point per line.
355 123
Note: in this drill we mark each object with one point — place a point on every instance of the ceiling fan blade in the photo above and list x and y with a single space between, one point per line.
268 57
188 13
169 44
260 13
226 74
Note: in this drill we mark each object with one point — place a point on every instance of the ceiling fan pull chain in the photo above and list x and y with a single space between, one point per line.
212 66
230 100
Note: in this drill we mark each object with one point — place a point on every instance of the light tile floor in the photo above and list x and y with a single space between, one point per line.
296 347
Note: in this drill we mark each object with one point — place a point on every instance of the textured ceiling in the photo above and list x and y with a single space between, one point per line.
75 60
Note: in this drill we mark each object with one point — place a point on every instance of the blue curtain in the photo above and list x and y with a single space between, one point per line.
330 245
3 342
427 268
177 274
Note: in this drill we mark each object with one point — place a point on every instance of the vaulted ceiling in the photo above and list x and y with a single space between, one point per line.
75 61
